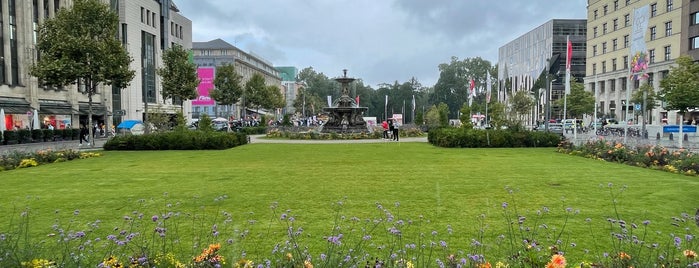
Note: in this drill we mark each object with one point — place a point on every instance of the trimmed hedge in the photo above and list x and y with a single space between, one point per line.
177 140
478 138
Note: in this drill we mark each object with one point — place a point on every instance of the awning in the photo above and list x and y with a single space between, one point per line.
15 105
128 124
62 108
97 109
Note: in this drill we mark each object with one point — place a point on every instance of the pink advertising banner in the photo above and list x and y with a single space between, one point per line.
206 83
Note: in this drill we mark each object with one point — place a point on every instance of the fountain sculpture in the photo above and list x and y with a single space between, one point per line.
345 115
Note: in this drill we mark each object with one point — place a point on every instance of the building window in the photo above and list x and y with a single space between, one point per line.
694 42
613 64
616 5
594 50
605 8
667 53
628 2
594 32
143 12
650 78
669 5
695 18
626 62
604 47
626 41
595 13
652 33
153 20
616 24
653 10
627 20
604 66
172 28
615 44
594 68
604 28
148 59
14 50
668 28
612 85
147 17
651 56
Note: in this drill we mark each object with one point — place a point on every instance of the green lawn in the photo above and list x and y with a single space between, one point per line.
448 187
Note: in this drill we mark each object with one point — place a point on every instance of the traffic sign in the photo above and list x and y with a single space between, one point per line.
120 112
637 106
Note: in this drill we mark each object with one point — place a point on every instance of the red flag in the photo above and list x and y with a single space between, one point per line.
472 85
569 54
357 99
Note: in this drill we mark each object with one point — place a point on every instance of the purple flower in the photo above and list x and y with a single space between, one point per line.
283 216
323 256
504 204
443 243
646 222
155 218
678 241
76 212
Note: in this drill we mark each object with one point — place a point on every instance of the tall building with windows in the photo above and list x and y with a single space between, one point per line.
522 61
208 55
146 28
609 45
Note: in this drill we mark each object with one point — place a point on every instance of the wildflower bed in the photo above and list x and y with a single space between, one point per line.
290 205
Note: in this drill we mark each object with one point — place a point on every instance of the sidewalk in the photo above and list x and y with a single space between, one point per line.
53 145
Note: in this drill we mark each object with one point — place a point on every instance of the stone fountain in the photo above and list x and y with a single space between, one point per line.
345 115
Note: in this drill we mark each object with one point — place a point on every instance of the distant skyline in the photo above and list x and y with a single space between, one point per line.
376 41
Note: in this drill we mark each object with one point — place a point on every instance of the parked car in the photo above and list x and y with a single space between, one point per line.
553 127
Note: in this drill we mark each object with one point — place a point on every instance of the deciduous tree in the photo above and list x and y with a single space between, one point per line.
79 45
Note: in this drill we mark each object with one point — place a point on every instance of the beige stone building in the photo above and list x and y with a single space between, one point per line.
146 28
609 24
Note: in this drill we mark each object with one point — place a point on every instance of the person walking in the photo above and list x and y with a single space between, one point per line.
84 135
395 130
384 124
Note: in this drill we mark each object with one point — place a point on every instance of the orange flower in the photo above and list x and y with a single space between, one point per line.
484 265
307 264
690 254
624 256
557 261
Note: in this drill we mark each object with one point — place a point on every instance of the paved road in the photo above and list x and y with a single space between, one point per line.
262 139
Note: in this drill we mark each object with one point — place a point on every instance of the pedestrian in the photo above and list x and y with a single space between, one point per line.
391 128
384 125
83 135
396 127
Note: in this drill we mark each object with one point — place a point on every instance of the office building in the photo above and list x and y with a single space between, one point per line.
522 61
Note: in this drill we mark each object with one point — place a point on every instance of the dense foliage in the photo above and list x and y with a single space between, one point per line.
479 138
177 140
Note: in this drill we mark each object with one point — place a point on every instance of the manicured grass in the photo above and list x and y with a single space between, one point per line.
447 186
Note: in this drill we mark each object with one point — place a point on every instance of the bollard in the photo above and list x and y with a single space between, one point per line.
671 138
657 136
685 138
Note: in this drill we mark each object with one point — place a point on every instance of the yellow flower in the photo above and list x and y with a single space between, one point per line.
243 263
690 254
307 264
624 256
501 265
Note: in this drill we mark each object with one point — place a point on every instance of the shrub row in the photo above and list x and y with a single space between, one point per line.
480 138
38 135
312 135
177 140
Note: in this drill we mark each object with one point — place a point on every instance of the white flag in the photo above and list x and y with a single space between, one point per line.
330 101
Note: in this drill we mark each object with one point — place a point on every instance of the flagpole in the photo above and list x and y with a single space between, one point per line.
569 49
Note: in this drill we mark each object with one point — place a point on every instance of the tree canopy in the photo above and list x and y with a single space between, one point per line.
178 75
680 89
228 87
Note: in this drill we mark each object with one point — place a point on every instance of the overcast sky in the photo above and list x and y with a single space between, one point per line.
378 41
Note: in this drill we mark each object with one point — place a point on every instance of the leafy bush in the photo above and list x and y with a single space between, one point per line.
479 138
177 140
37 135
9 136
47 134
17 159
24 135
